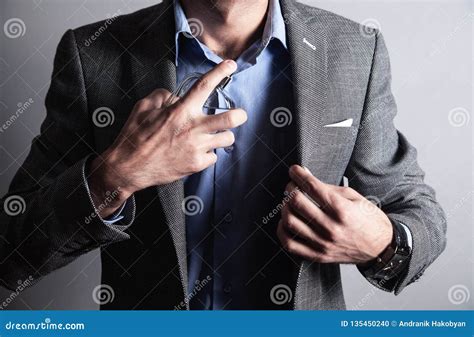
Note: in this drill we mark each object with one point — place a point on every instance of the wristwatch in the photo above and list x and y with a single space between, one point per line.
394 258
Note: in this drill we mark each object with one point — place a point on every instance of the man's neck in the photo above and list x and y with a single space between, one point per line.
229 26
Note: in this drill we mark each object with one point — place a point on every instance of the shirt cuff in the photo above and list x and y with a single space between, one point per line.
408 233
116 216
122 218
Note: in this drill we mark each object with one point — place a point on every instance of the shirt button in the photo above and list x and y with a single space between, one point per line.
228 217
228 288
229 149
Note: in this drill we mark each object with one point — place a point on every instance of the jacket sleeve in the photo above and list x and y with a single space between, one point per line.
384 167
48 218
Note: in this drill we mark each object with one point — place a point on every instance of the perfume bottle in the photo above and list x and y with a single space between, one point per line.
217 102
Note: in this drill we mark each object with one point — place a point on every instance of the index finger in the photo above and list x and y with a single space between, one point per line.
204 86
312 186
223 121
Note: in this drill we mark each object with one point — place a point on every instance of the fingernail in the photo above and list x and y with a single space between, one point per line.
231 64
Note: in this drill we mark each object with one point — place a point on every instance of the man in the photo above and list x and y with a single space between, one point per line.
242 209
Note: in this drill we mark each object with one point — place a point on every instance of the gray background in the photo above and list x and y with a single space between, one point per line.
430 44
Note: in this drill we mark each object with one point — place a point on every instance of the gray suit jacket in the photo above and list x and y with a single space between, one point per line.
340 70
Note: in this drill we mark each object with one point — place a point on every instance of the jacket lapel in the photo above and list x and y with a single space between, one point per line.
154 54
308 50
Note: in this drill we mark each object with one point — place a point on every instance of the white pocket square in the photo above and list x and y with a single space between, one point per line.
342 124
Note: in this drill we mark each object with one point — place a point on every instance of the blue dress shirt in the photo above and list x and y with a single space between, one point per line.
228 243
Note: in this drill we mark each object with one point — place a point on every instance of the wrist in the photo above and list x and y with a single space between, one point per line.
108 190
385 239
382 252
380 245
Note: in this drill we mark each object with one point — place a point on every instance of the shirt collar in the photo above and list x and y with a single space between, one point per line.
274 26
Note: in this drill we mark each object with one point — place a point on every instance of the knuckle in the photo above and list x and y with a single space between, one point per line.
290 224
213 159
336 234
139 141
349 191
203 83
333 198
229 120
354 192
196 163
289 245
160 92
341 214
336 202
322 258
297 201
139 119
195 166
346 190
312 186
142 104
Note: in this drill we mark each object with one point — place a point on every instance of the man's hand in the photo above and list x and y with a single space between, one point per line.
345 228
160 144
